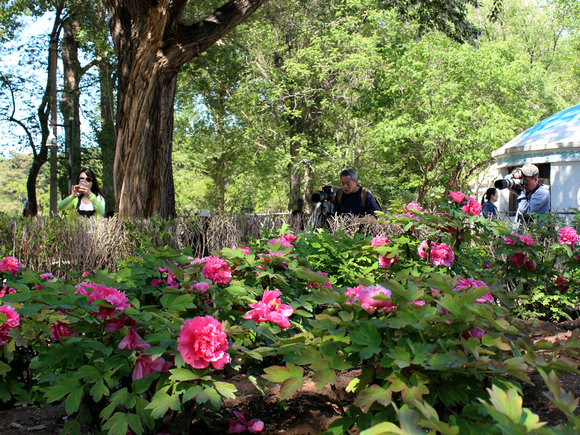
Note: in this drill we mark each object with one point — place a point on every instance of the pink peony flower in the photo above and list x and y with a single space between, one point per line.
59 330
245 249
84 287
526 240
475 332
47 275
567 236
5 290
217 270
457 196
169 279
517 259
529 264
86 274
241 425
520 259
288 237
422 250
442 255
561 283
411 206
366 297
145 365
352 292
280 240
111 295
270 309
472 207
12 321
379 241
327 285
466 283
200 287
202 341
10 264
116 323
418 303
386 262
133 341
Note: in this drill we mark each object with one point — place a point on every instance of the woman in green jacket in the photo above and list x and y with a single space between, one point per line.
86 198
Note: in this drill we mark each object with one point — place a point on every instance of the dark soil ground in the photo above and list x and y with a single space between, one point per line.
309 412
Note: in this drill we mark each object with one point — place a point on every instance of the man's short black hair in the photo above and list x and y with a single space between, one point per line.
349 173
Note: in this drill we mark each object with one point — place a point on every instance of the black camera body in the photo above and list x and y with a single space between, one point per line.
325 194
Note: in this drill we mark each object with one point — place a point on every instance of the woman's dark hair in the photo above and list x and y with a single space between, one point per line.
95 186
488 194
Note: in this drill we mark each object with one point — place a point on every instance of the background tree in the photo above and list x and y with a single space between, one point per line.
152 43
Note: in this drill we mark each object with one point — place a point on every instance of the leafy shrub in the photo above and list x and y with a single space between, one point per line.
425 312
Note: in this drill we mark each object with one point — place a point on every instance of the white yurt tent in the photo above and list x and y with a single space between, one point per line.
553 145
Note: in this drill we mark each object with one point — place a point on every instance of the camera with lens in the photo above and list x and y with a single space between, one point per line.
510 183
325 194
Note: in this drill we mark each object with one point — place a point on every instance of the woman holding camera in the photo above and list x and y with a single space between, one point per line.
488 208
86 198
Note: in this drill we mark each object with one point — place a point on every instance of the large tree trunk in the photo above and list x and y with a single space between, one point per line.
152 45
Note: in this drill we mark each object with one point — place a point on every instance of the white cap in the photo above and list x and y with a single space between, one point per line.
530 170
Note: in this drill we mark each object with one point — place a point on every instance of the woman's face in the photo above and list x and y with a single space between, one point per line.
493 198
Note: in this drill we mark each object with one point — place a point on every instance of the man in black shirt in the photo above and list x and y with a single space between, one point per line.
352 198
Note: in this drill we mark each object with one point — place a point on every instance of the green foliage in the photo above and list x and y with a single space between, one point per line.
436 344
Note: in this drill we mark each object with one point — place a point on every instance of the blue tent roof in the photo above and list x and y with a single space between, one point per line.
560 130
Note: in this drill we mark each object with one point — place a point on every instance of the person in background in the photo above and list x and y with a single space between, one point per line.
86 198
534 197
488 209
353 198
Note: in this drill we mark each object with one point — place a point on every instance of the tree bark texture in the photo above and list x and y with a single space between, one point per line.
40 158
70 101
106 136
152 45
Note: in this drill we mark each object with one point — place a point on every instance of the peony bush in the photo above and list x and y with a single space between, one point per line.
427 314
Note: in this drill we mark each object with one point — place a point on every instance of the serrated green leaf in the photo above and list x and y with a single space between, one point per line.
208 395
159 405
117 424
384 428
4 368
372 394
226 389
99 390
73 401
191 392
135 424
323 374
289 387
279 374
182 375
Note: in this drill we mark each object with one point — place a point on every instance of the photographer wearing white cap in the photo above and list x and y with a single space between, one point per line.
535 197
